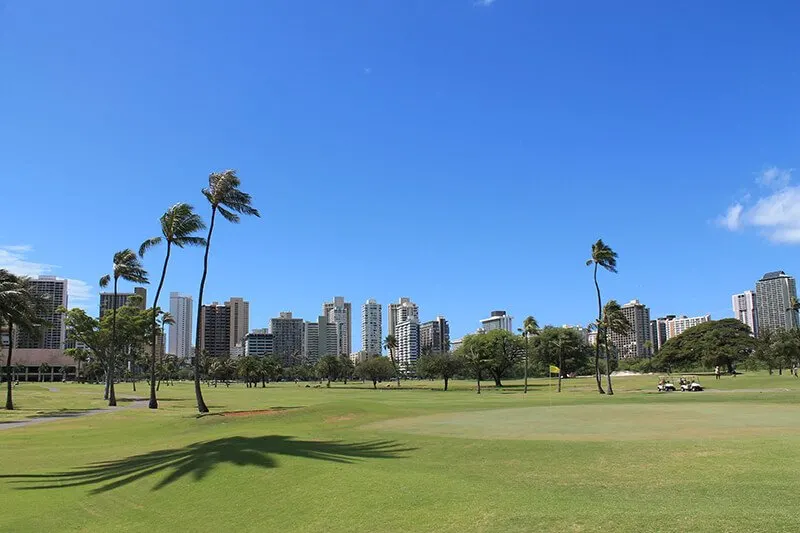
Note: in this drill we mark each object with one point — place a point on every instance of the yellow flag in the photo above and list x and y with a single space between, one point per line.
554 369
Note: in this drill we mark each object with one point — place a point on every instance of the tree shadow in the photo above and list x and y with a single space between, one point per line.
200 458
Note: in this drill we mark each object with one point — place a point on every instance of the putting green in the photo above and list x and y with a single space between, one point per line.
608 422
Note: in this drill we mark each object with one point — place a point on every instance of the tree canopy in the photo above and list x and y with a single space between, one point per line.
718 342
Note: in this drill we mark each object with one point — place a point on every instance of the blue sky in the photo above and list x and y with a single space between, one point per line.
465 154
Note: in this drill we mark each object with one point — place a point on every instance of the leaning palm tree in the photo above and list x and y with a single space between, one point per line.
225 197
604 256
614 321
390 343
126 266
20 307
530 328
178 226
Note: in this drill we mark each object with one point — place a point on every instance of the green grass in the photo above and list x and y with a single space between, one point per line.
416 459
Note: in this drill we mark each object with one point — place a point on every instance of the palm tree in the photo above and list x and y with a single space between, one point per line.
178 226
530 328
794 307
19 307
614 321
126 266
476 361
604 256
390 343
165 319
225 197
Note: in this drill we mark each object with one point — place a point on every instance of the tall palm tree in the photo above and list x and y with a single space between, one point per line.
178 226
225 197
20 307
128 267
614 321
530 328
602 256
390 343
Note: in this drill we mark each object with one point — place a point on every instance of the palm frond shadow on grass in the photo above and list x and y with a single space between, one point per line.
200 458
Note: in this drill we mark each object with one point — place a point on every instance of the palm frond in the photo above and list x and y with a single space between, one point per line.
190 241
228 215
149 243
105 280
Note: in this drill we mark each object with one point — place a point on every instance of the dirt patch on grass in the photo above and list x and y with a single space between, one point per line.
343 418
258 412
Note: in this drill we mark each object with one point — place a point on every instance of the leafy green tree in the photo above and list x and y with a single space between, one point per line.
439 365
529 329
564 348
270 369
375 369
178 227
475 356
20 305
718 342
614 321
502 348
329 368
602 256
764 352
126 266
225 197
347 367
390 343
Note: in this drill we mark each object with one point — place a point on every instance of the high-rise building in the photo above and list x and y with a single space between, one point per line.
580 330
340 313
434 336
215 330
497 320
633 343
371 328
774 294
407 351
240 320
677 325
107 299
259 343
180 333
659 331
403 310
287 337
320 338
744 309
54 335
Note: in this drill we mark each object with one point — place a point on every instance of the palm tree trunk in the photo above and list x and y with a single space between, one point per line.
112 398
446 379
597 343
560 365
153 400
394 364
479 381
608 369
201 404
9 394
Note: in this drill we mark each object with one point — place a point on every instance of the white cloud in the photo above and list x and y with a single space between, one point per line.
13 258
733 218
774 177
483 3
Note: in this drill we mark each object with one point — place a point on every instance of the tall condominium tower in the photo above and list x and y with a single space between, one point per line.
107 299
497 320
320 338
340 313
744 309
240 320
287 337
371 328
403 310
633 343
434 336
180 333
407 351
215 330
774 293
54 335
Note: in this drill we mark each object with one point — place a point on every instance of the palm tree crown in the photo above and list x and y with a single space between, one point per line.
126 266
224 195
178 226
604 256
530 326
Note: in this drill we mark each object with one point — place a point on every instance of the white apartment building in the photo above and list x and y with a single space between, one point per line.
744 309
54 336
677 325
774 293
320 338
259 343
634 342
407 351
180 333
371 328
402 311
497 320
340 313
